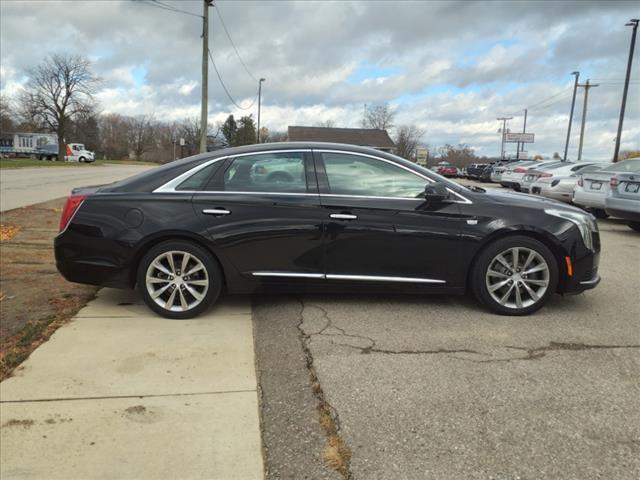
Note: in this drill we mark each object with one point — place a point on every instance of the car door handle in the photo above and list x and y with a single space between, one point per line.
216 211
343 216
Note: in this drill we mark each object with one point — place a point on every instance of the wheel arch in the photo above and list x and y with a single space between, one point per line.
543 237
162 237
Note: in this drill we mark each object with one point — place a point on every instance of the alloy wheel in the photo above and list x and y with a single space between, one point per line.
517 277
177 281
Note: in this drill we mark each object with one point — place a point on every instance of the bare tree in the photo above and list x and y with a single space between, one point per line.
407 140
278 136
7 119
380 117
59 89
325 124
459 155
114 132
141 135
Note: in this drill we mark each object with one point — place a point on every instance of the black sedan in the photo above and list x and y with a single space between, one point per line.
316 216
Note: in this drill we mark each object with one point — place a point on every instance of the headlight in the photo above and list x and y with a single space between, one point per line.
586 223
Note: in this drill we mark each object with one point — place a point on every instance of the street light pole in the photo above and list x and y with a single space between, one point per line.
259 101
504 128
632 23
573 103
204 102
586 87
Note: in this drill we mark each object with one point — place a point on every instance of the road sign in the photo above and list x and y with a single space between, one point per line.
519 137
422 155
523 155
182 142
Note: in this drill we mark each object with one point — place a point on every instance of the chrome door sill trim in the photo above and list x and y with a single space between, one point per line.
376 278
331 276
288 274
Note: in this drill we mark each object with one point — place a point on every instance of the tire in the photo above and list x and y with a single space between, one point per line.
81 160
599 213
190 295
634 226
545 276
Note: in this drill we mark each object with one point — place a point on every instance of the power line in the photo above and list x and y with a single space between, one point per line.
224 87
169 8
224 26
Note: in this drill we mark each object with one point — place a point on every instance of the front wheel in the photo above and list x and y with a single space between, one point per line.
599 213
634 226
515 275
179 279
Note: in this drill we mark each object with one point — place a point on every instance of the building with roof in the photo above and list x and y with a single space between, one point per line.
364 137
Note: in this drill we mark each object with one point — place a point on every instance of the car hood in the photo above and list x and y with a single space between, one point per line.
514 199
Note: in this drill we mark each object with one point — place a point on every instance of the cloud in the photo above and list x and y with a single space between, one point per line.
450 67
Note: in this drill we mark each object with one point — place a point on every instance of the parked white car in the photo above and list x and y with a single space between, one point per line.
514 173
592 188
537 180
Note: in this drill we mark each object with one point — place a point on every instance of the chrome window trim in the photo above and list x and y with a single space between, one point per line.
429 179
170 186
331 276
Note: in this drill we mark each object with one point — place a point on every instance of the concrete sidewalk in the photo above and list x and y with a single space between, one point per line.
121 393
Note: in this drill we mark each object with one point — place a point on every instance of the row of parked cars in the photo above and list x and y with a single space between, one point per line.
605 189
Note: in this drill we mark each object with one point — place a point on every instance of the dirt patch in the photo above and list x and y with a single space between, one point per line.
18 423
139 409
34 298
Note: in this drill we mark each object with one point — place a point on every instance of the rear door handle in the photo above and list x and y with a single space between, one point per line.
216 211
343 216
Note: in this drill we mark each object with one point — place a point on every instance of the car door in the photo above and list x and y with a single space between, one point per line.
263 214
378 227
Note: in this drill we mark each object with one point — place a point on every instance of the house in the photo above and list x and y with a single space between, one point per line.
25 142
365 137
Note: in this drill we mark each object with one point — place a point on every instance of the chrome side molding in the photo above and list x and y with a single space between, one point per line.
330 276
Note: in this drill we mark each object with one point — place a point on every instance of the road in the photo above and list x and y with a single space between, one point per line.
25 186
437 387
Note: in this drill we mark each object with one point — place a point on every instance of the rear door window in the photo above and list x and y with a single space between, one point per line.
267 172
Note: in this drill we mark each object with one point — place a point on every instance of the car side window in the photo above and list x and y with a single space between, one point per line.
350 174
267 172
198 180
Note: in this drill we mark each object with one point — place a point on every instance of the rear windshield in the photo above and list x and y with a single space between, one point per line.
627 166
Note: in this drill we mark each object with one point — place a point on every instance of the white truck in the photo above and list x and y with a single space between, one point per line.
76 152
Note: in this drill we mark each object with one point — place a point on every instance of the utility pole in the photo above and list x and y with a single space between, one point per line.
204 102
524 130
504 129
632 23
259 100
586 87
573 103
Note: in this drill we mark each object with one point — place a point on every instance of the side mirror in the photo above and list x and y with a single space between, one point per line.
435 192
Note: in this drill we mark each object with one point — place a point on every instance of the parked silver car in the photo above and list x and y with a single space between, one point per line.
561 187
623 200
539 180
592 188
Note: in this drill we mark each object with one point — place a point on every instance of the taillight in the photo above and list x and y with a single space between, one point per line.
519 170
70 208
613 183
547 175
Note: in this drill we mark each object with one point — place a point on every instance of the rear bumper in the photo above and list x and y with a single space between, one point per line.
624 208
592 200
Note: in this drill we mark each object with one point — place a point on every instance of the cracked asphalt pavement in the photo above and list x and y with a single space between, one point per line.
437 387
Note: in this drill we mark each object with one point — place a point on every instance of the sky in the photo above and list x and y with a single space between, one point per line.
450 68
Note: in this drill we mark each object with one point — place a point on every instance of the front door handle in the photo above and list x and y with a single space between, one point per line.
216 211
343 216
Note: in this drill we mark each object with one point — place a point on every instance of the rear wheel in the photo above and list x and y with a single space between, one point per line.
515 275
179 279
599 213
634 226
